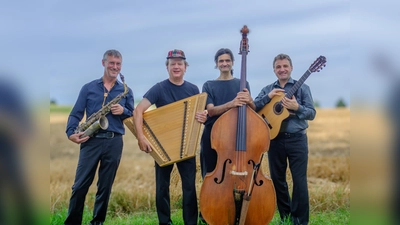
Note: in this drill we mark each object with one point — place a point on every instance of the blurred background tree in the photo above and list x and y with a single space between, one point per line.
341 103
316 104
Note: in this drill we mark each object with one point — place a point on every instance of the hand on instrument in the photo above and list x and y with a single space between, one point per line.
144 145
201 117
117 109
242 98
76 138
290 103
276 92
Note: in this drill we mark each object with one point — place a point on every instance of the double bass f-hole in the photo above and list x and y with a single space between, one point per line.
223 172
245 173
256 166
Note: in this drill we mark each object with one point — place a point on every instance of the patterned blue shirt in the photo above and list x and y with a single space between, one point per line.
306 111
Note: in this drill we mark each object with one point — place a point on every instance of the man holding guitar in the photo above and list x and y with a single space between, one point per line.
291 112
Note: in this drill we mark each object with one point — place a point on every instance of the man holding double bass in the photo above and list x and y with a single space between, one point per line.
234 190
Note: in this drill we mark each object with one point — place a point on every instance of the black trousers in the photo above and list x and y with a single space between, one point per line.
95 151
294 150
208 156
187 171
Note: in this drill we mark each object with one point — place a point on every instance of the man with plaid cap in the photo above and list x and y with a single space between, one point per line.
165 92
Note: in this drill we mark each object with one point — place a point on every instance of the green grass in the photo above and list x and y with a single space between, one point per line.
37 215
339 216
60 109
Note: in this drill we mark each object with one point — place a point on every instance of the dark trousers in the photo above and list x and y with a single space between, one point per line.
107 152
187 171
295 151
208 156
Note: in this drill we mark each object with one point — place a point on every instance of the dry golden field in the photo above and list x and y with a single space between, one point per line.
134 189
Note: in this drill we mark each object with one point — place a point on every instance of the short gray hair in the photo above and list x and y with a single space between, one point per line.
112 52
281 57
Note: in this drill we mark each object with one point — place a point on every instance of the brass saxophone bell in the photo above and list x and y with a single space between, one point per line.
101 123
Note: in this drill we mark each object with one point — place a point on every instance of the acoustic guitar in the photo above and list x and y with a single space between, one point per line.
274 113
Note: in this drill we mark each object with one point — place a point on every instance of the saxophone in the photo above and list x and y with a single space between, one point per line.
99 120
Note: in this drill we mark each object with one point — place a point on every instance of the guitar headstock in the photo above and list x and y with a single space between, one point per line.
318 64
244 45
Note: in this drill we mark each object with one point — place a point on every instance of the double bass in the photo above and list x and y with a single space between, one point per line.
237 192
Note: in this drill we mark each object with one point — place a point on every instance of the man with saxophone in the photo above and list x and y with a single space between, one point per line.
108 100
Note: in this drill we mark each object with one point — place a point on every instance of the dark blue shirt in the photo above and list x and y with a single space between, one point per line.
220 92
165 92
306 111
91 98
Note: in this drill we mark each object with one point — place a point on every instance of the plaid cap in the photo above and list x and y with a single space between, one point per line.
176 54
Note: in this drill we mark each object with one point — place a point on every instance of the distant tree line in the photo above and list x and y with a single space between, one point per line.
339 104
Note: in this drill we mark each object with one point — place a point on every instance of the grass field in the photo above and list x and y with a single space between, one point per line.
134 190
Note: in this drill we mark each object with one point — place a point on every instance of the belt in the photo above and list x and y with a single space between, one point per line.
106 135
289 135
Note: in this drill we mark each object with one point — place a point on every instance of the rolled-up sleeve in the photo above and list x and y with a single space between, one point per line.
262 99
77 112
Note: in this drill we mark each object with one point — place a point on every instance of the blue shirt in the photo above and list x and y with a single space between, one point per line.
306 111
90 100
220 92
165 92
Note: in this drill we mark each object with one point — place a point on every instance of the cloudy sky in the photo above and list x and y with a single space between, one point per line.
58 46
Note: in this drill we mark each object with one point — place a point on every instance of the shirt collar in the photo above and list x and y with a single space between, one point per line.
290 81
100 81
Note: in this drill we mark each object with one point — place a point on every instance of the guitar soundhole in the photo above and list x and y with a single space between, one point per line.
278 108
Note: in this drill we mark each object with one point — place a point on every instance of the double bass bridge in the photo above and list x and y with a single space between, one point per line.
244 173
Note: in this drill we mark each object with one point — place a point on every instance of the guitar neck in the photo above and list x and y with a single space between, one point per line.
298 84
